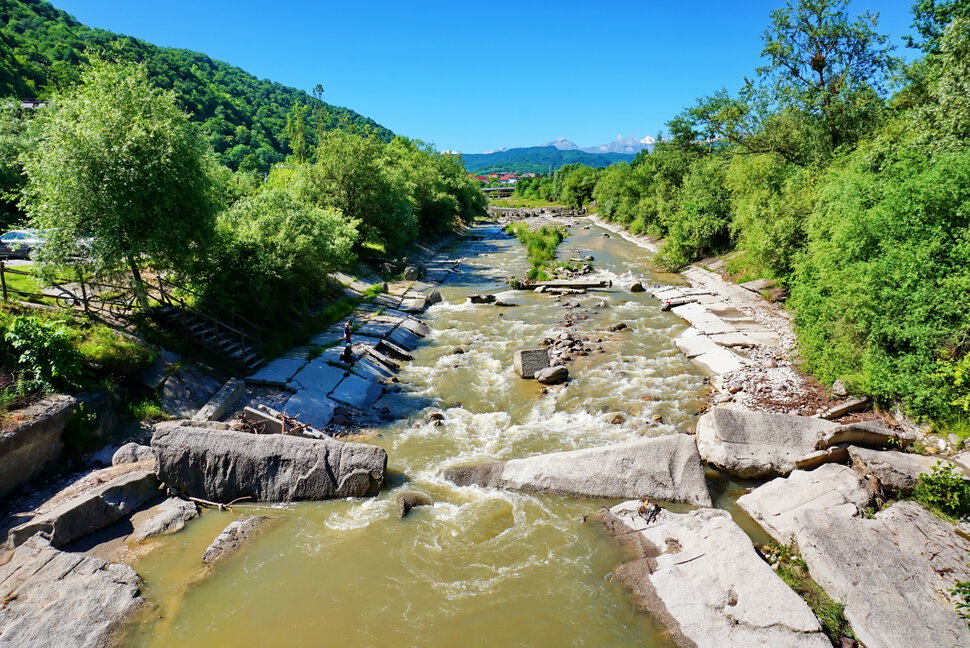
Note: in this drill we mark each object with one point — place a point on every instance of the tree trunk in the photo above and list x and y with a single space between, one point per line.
138 285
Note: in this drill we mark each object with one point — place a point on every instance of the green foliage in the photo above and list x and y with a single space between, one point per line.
43 353
943 491
123 175
145 407
701 222
17 136
351 175
274 252
540 245
42 50
883 284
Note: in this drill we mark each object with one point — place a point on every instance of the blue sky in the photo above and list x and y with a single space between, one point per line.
475 76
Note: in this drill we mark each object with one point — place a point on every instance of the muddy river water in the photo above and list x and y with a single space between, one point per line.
480 567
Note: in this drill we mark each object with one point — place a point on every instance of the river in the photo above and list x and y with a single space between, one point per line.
480 567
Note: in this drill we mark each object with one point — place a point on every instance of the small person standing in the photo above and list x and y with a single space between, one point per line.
348 329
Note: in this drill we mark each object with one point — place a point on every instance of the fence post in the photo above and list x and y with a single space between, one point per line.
3 279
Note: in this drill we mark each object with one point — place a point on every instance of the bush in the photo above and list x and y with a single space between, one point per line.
43 354
273 254
944 490
883 285
540 245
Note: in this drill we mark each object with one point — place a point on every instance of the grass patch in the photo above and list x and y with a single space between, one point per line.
540 245
145 406
792 569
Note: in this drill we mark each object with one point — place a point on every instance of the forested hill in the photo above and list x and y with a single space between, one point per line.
42 48
537 159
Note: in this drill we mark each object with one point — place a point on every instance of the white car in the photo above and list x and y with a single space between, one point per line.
19 243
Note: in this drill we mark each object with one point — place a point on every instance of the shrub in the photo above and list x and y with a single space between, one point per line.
943 490
43 353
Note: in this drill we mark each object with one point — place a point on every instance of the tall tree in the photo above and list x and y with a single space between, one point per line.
296 132
121 167
825 65
930 19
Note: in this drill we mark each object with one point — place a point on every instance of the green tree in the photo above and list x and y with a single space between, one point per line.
123 169
296 132
826 66
930 19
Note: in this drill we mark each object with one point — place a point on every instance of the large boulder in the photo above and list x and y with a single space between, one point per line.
834 488
666 468
91 510
891 572
53 598
755 444
895 472
222 465
865 433
698 574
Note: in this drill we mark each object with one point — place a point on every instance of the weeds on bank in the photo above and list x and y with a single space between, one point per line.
792 569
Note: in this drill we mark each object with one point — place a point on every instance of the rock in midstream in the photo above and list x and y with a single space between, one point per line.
223 465
233 537
54 598
698 574
892 573
666 468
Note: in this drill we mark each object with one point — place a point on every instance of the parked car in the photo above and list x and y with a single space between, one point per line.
20 243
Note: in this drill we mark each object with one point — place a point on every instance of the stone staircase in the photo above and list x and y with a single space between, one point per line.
213 336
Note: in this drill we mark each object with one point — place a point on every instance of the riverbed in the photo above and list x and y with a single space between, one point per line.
479 567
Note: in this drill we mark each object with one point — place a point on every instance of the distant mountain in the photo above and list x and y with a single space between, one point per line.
623 145
537 159
562 144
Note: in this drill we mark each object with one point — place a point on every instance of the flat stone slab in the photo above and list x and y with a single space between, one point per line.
719 361
698 574
695 344
278 372
414 305
891 573
736 339
311 407
170 516
895 471
375 329
372 370
54 598
755 444
357 392
702 319
404 338
761 336
414 326
92 510
666 468
387 301
318 376
832 487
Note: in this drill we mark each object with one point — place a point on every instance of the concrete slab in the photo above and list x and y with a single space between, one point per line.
357 392
318 376
414 326
278 372
765 338
389 348
375 329
388 301
371 369
736 339
311 407
708 324
390 363
719 361
404 338
693 346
